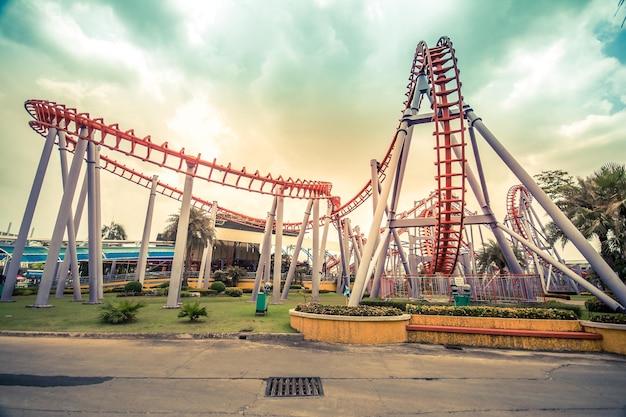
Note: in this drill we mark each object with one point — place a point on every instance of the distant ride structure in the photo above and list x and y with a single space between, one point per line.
439 242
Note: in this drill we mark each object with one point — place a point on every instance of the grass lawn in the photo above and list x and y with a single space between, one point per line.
225 315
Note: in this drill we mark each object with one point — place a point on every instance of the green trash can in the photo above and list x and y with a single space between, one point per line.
461 300
261 304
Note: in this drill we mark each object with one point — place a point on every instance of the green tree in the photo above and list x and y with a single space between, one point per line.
113 231
596 205
200 233
491 255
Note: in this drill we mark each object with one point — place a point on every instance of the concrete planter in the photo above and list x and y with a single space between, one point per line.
350 329
613 335
498 323
509 333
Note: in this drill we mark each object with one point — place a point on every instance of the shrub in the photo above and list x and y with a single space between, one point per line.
609 318
123 312
192 310
233 292
333 310
400 304
595 305
133 286
489 311
218 286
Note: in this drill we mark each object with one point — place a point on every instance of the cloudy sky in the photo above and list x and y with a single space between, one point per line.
307 89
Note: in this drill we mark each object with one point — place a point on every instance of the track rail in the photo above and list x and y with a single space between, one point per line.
48 114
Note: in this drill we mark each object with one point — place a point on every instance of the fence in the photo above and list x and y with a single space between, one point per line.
483 288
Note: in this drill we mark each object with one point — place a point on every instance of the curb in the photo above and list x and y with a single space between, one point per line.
296 337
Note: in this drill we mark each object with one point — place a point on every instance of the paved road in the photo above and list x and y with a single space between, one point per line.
56 376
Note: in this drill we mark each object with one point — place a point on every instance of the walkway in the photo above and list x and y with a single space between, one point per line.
56 376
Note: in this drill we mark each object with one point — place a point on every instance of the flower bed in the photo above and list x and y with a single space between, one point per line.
490 311
352 325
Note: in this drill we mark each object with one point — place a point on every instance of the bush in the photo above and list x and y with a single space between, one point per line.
595 305
133 286
609 318
233 292
218 286
192 310
123 312
333 310
489 311
400 304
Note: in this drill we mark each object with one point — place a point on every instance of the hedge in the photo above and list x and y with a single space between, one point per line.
489 311
334 310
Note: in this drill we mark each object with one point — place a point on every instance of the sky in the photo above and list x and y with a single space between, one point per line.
310 89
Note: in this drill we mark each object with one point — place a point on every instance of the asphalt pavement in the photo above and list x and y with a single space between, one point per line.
99 376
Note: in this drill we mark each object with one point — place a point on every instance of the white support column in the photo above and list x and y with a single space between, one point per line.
140 272
173 296
209 255
60 225
262 269
278 249
80 206
608 276
361 277
22 236
315 278
296 251
99 223
93 229
70 252
345 251
322 255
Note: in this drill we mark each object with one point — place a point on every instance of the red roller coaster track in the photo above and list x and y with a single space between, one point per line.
438 64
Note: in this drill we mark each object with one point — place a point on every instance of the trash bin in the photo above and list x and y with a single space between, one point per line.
261 304
463 299
263 299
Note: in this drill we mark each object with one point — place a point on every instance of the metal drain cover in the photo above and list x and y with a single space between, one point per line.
294 386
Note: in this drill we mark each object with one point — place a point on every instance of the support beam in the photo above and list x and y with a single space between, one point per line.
31 204
60 225
140 272
262 270
315 278
296 251
173 296
211 244
278 249
608 276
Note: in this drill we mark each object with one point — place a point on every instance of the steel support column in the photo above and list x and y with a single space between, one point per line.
608 276
140 272
31 204
173 296
61 222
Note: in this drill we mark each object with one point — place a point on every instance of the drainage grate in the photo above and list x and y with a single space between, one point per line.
294 386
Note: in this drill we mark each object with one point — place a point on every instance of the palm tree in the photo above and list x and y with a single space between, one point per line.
491 255
113 232
200 233
235 273
596 205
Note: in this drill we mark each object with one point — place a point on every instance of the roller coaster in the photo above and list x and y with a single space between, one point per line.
438 225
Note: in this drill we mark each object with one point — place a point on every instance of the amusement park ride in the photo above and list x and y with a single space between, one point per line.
440 222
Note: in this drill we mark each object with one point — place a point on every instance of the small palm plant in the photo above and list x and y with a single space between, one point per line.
123 312
192 310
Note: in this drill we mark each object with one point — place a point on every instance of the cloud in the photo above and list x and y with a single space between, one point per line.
308 89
